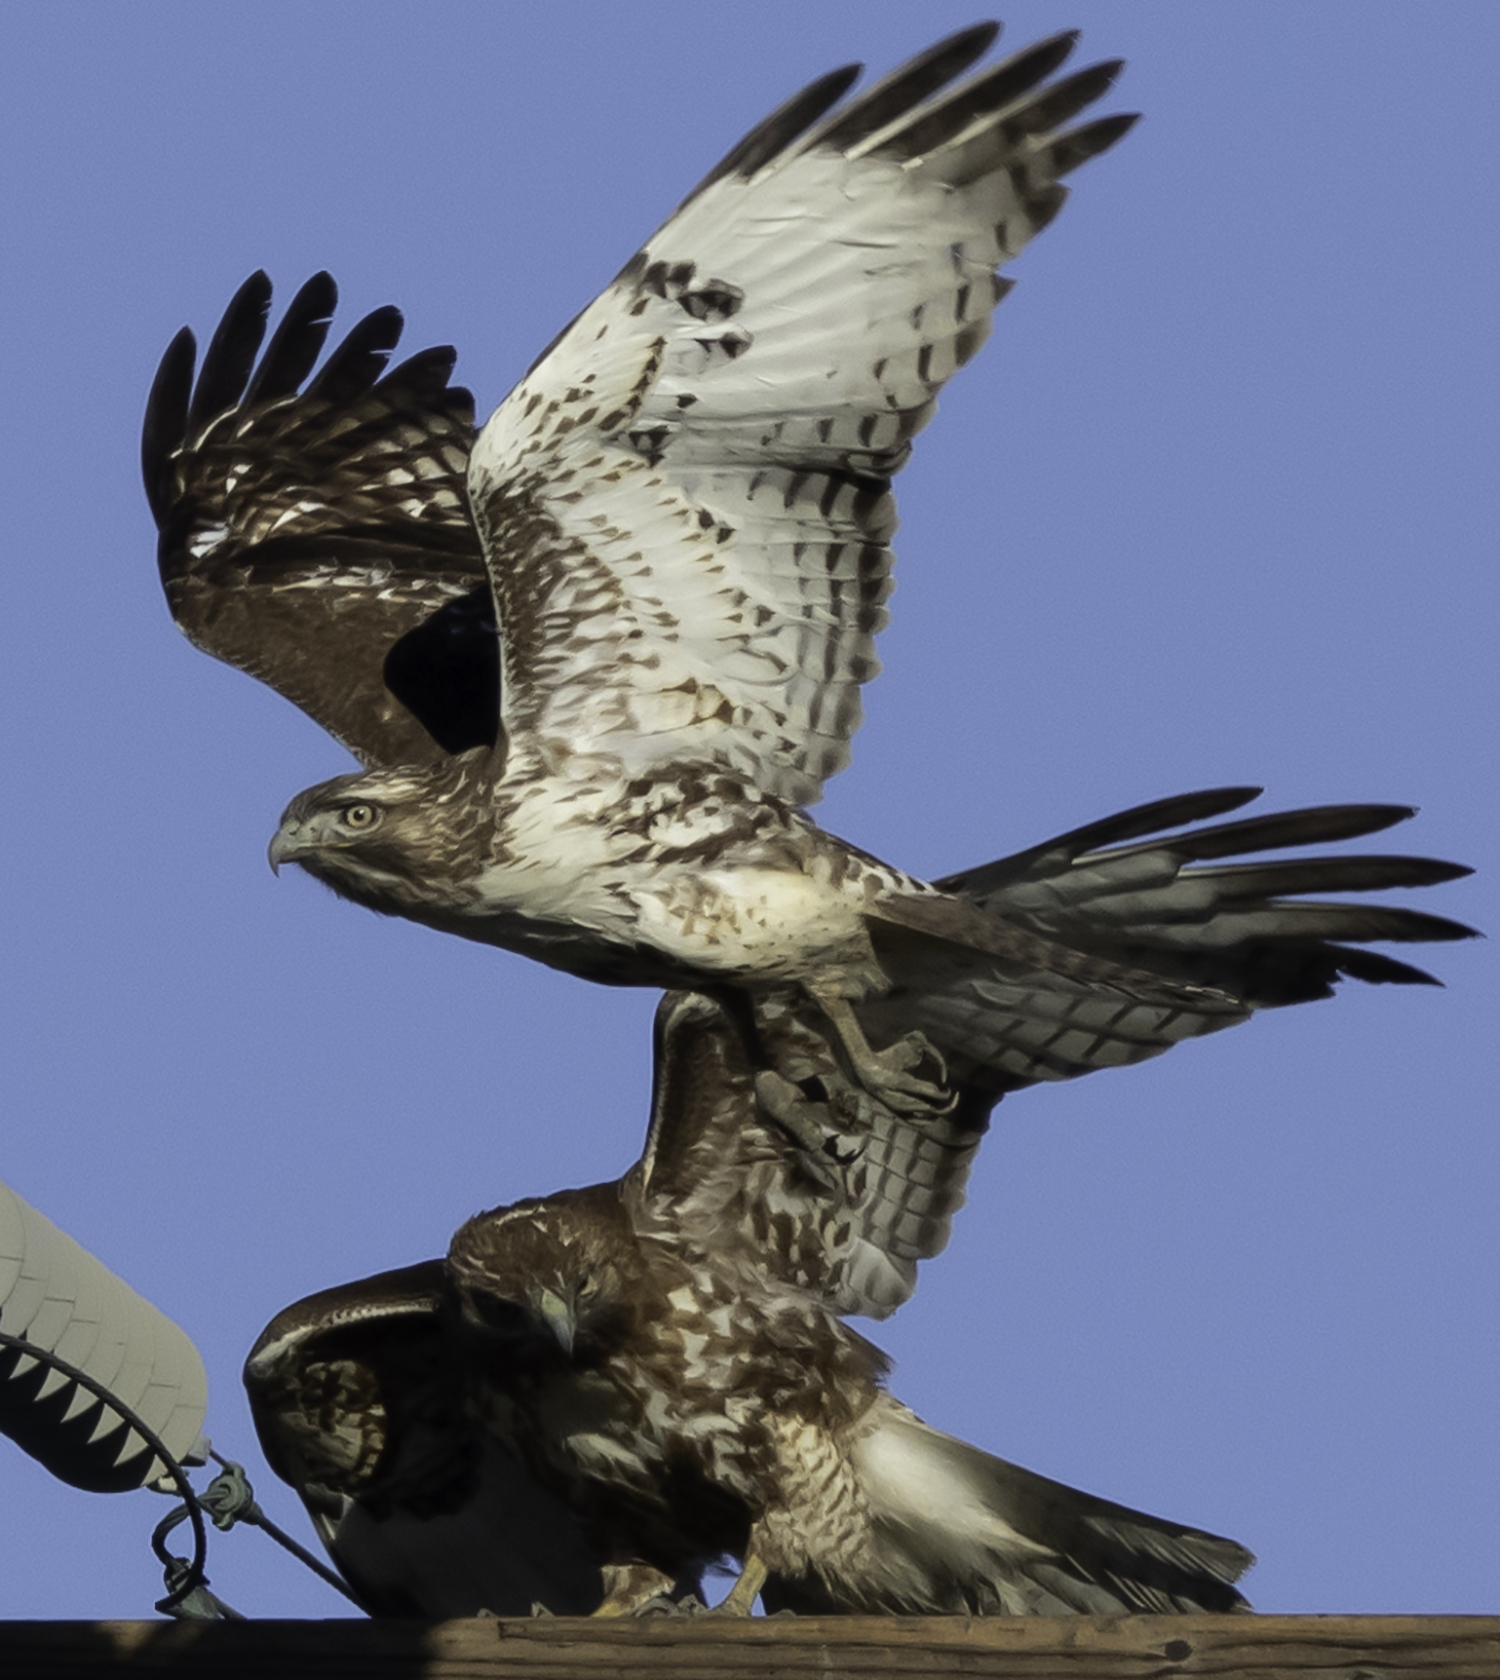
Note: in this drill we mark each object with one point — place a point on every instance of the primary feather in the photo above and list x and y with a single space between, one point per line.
685 505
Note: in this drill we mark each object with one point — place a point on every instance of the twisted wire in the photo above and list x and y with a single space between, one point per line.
227 1500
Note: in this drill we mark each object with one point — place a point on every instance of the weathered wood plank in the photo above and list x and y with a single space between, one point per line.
831 1648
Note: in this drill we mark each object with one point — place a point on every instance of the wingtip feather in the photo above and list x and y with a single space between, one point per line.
232 351
297 341
165 421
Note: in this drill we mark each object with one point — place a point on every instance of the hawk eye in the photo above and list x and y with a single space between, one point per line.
359 816
507 1318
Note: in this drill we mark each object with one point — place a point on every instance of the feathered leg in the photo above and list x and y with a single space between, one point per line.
628 1586
743 1594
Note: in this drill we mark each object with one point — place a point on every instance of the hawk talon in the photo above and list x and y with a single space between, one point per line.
806 1123
663 1605
887 1075
786 1104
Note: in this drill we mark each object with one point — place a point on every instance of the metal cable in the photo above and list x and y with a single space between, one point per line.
227 1500
194 1576
232 1495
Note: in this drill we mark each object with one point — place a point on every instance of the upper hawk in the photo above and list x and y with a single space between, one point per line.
672 542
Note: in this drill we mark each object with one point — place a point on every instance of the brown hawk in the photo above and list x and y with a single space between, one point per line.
668 1351
681 524
610 1390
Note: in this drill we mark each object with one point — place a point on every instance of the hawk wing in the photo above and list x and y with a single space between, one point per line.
685 503
838 1197
971 1534
811 1182
319 538
1127 890
360 1398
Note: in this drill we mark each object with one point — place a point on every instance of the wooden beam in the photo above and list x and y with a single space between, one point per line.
782 1648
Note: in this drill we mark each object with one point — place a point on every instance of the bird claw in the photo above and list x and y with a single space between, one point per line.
889 1076
790 1108
809 1124
741 1597
664 1605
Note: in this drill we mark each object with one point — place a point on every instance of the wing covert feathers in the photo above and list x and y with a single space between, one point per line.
840 1200
685 504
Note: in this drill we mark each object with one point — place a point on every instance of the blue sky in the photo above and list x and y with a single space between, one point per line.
1216 505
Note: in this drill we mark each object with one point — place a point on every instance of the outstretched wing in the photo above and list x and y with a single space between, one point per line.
1128 891
970 1534
685 504
319 538
360 1396
802 1178
821 1189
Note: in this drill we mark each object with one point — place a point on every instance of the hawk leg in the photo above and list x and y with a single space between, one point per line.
742 1595
823 1146
629 1586
886 1074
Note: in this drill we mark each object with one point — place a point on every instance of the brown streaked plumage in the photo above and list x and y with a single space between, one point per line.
320 538
361 1396
685 512
614 1388
668 1351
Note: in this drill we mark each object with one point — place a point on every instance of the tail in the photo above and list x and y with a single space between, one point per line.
955 1531
1124 890
1168 941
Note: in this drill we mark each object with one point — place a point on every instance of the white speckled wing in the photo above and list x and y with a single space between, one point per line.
685 504
843 1213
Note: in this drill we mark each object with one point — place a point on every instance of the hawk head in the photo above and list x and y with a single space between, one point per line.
387 838
542 1280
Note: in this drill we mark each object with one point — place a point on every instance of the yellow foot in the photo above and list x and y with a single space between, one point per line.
887 1074
745 1591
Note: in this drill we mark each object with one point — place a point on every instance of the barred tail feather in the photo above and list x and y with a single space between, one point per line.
1142 937
1127 891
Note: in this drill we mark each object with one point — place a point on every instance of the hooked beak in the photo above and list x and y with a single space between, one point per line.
284 848
559 1318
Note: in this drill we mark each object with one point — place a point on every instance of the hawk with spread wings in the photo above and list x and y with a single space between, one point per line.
613 1389
361 1396
597 657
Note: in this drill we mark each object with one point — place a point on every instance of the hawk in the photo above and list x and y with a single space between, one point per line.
598 658
673 1357
607 1391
